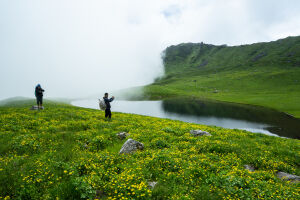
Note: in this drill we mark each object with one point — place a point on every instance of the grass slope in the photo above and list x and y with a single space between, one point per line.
265 74
67 152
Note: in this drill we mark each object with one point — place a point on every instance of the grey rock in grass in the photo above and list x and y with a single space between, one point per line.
151 184
122 135
199 133
86 146
36 108
288 177
131 146
249 167
216 91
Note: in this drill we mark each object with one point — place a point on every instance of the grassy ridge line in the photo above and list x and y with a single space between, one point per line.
26 101
68 152
264 74
281 53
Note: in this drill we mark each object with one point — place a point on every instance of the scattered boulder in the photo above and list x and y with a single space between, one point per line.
122 135
131 146
86 146
152 184
37 108
288 177
199 133
216 91
34 108
249 167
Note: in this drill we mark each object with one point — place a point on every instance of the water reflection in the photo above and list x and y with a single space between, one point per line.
255 117
227 115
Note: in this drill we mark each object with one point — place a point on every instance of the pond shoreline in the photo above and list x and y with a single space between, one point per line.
161 98
214 113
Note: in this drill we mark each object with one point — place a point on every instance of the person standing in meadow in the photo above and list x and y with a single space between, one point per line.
39 96
107 103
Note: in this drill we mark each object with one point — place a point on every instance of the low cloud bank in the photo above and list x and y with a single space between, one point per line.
79 48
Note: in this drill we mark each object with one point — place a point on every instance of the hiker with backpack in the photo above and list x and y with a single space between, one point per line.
39 96
105 104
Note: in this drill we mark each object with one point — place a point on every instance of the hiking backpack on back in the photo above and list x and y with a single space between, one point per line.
102 104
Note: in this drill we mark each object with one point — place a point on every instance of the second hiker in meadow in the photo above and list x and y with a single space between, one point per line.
107 103
39 96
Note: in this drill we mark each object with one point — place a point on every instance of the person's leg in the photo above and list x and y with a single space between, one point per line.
109 114
41 102
106 113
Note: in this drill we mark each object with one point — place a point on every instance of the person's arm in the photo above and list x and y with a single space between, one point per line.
111 99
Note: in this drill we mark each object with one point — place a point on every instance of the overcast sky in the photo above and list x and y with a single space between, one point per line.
77 48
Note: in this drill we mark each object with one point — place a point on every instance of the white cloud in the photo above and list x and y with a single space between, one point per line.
77 48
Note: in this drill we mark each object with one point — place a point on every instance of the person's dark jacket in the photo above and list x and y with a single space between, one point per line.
107 102
39 91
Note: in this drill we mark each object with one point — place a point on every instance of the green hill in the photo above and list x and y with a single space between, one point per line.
67 152
14 100
265 74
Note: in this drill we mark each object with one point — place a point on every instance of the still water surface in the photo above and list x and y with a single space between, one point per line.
227 115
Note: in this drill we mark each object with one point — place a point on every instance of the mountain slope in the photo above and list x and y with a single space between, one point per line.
190 56
265 74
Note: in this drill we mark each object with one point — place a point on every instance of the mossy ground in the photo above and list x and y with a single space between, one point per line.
66 152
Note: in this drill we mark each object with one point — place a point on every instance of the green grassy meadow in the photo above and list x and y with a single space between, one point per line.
264 74
67 152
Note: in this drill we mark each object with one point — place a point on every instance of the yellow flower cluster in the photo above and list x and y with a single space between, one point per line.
65 152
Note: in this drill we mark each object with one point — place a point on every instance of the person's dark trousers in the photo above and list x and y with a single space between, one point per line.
39 100
108 113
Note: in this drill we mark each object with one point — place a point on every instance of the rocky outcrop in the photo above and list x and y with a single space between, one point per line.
122 135
288 177
131 146
151 185
199 133
249 167
37 108
86 146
